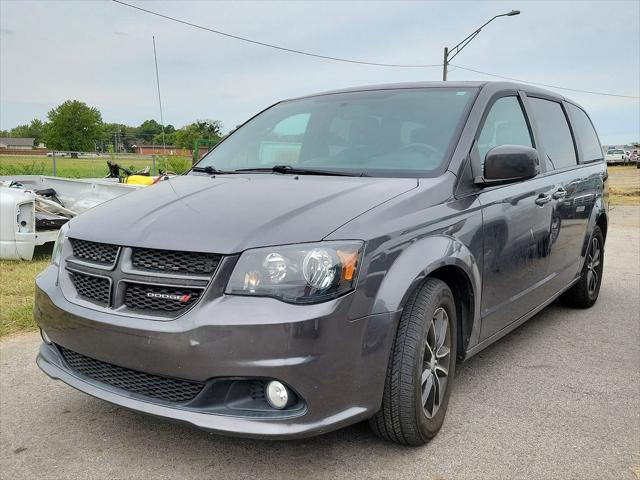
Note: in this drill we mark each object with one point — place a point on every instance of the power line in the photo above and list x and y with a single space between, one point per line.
545 84
361 62
277 47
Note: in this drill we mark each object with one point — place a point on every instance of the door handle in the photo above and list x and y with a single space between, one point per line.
542 199
560 193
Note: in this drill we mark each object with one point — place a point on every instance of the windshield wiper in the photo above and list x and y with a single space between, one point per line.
288 169
210 170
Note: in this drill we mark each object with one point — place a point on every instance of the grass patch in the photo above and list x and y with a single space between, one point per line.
92 167
624 185
624 197
16 292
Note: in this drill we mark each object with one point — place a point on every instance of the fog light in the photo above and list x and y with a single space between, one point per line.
45 337
277 395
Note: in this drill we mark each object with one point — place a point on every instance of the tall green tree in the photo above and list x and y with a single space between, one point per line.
169 138
148 129
124 135
207 129
74 126
36 129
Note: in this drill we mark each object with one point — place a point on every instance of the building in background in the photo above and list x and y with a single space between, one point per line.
16 143
170 150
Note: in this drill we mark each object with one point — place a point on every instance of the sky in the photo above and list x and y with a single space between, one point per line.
102 54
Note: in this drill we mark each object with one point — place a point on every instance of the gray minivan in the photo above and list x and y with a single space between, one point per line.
331 260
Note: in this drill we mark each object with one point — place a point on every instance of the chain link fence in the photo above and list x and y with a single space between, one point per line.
77 165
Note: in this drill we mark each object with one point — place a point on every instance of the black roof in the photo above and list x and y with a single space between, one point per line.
470 84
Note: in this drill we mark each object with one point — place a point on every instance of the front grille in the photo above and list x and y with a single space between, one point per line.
153 297
96 289
155 386
102 253
133 280
172 261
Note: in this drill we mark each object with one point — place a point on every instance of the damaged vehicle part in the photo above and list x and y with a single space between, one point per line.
34 207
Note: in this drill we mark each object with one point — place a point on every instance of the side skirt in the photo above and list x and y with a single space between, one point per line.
513 325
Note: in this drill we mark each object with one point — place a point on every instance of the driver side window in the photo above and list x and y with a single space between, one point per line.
505 125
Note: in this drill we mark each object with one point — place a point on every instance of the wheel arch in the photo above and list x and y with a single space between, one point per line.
449 260
460 285
598 217
603 222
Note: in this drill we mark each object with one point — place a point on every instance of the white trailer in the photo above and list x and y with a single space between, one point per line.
19 202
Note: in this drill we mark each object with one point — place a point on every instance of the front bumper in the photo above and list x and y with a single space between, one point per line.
336 366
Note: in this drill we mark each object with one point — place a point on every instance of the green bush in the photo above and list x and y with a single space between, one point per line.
174 164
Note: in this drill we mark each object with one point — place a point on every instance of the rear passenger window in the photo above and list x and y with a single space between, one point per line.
588 143
505 125
554 132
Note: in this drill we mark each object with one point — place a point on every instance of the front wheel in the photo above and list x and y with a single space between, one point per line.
421 368
585 292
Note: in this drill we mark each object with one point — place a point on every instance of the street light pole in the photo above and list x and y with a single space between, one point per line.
458 48
445 63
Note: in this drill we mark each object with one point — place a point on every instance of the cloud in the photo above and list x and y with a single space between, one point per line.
203 75
6 31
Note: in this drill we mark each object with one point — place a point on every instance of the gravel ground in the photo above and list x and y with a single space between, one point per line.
557 398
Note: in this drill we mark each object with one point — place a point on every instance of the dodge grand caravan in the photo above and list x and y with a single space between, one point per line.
331 260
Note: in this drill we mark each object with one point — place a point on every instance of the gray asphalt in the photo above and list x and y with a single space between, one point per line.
557 398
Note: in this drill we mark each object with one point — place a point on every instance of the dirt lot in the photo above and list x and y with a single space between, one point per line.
557 398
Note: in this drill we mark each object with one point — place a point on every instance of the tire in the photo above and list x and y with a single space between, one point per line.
585 292
403 417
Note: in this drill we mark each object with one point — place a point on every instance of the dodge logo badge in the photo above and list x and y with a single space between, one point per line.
169 296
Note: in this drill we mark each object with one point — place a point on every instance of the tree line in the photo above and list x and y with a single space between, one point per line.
74 126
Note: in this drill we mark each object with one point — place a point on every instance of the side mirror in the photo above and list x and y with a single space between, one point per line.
509 164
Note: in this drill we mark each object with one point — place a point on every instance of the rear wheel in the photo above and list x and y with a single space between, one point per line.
421 368
585 292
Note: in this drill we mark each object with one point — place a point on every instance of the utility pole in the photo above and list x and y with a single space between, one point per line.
445 63
458 48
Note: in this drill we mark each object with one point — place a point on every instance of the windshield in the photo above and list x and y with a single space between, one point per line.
615 151
400 132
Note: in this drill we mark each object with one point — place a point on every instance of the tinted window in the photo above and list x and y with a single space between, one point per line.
505 125
383 132
554 132
587 139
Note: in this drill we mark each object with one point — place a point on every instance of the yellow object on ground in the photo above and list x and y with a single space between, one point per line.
140 180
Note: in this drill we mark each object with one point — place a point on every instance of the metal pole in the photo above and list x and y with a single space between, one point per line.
444 64
155 57
55 166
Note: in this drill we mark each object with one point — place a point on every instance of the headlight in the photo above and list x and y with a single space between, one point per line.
57 247
303 273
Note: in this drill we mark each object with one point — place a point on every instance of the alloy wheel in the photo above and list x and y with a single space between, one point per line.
435 366
593 262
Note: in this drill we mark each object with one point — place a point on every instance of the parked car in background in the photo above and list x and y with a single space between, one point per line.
616 156
633 156
412 226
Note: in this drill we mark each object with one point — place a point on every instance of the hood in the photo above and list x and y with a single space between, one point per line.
228 214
